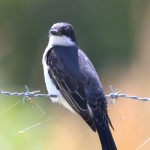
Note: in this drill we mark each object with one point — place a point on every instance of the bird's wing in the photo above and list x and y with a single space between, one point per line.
74 80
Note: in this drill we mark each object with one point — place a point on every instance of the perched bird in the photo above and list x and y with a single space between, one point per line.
70 75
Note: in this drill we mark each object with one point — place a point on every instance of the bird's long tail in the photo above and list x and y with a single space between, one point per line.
105 136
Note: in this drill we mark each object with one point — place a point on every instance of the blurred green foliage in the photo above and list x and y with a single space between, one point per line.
104 30
18 118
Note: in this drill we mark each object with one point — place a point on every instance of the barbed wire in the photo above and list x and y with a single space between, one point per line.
31 94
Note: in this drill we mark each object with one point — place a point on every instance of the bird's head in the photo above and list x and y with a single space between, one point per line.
62 34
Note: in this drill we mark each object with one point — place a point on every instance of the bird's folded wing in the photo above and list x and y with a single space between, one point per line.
70 81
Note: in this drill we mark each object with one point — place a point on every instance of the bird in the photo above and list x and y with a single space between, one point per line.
70 75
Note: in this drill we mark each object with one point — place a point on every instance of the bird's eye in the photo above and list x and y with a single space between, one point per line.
68 30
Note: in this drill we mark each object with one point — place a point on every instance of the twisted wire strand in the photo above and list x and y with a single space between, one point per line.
31 94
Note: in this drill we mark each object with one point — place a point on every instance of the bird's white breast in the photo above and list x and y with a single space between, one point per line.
51 88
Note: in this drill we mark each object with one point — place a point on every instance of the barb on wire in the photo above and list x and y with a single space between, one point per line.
116 95
29 95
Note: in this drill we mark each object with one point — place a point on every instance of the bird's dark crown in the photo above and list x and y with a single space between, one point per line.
63 28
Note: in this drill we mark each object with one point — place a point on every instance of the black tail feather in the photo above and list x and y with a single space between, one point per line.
106 138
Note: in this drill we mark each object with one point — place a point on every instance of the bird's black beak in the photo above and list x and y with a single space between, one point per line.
55 32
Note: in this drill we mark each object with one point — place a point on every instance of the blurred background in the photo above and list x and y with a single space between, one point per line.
116 37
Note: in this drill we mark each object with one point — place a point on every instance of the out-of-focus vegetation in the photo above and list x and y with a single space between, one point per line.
115 35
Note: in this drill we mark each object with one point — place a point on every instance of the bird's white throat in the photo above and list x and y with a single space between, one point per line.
60 40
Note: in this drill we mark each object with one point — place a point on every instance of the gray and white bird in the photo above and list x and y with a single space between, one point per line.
70 75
